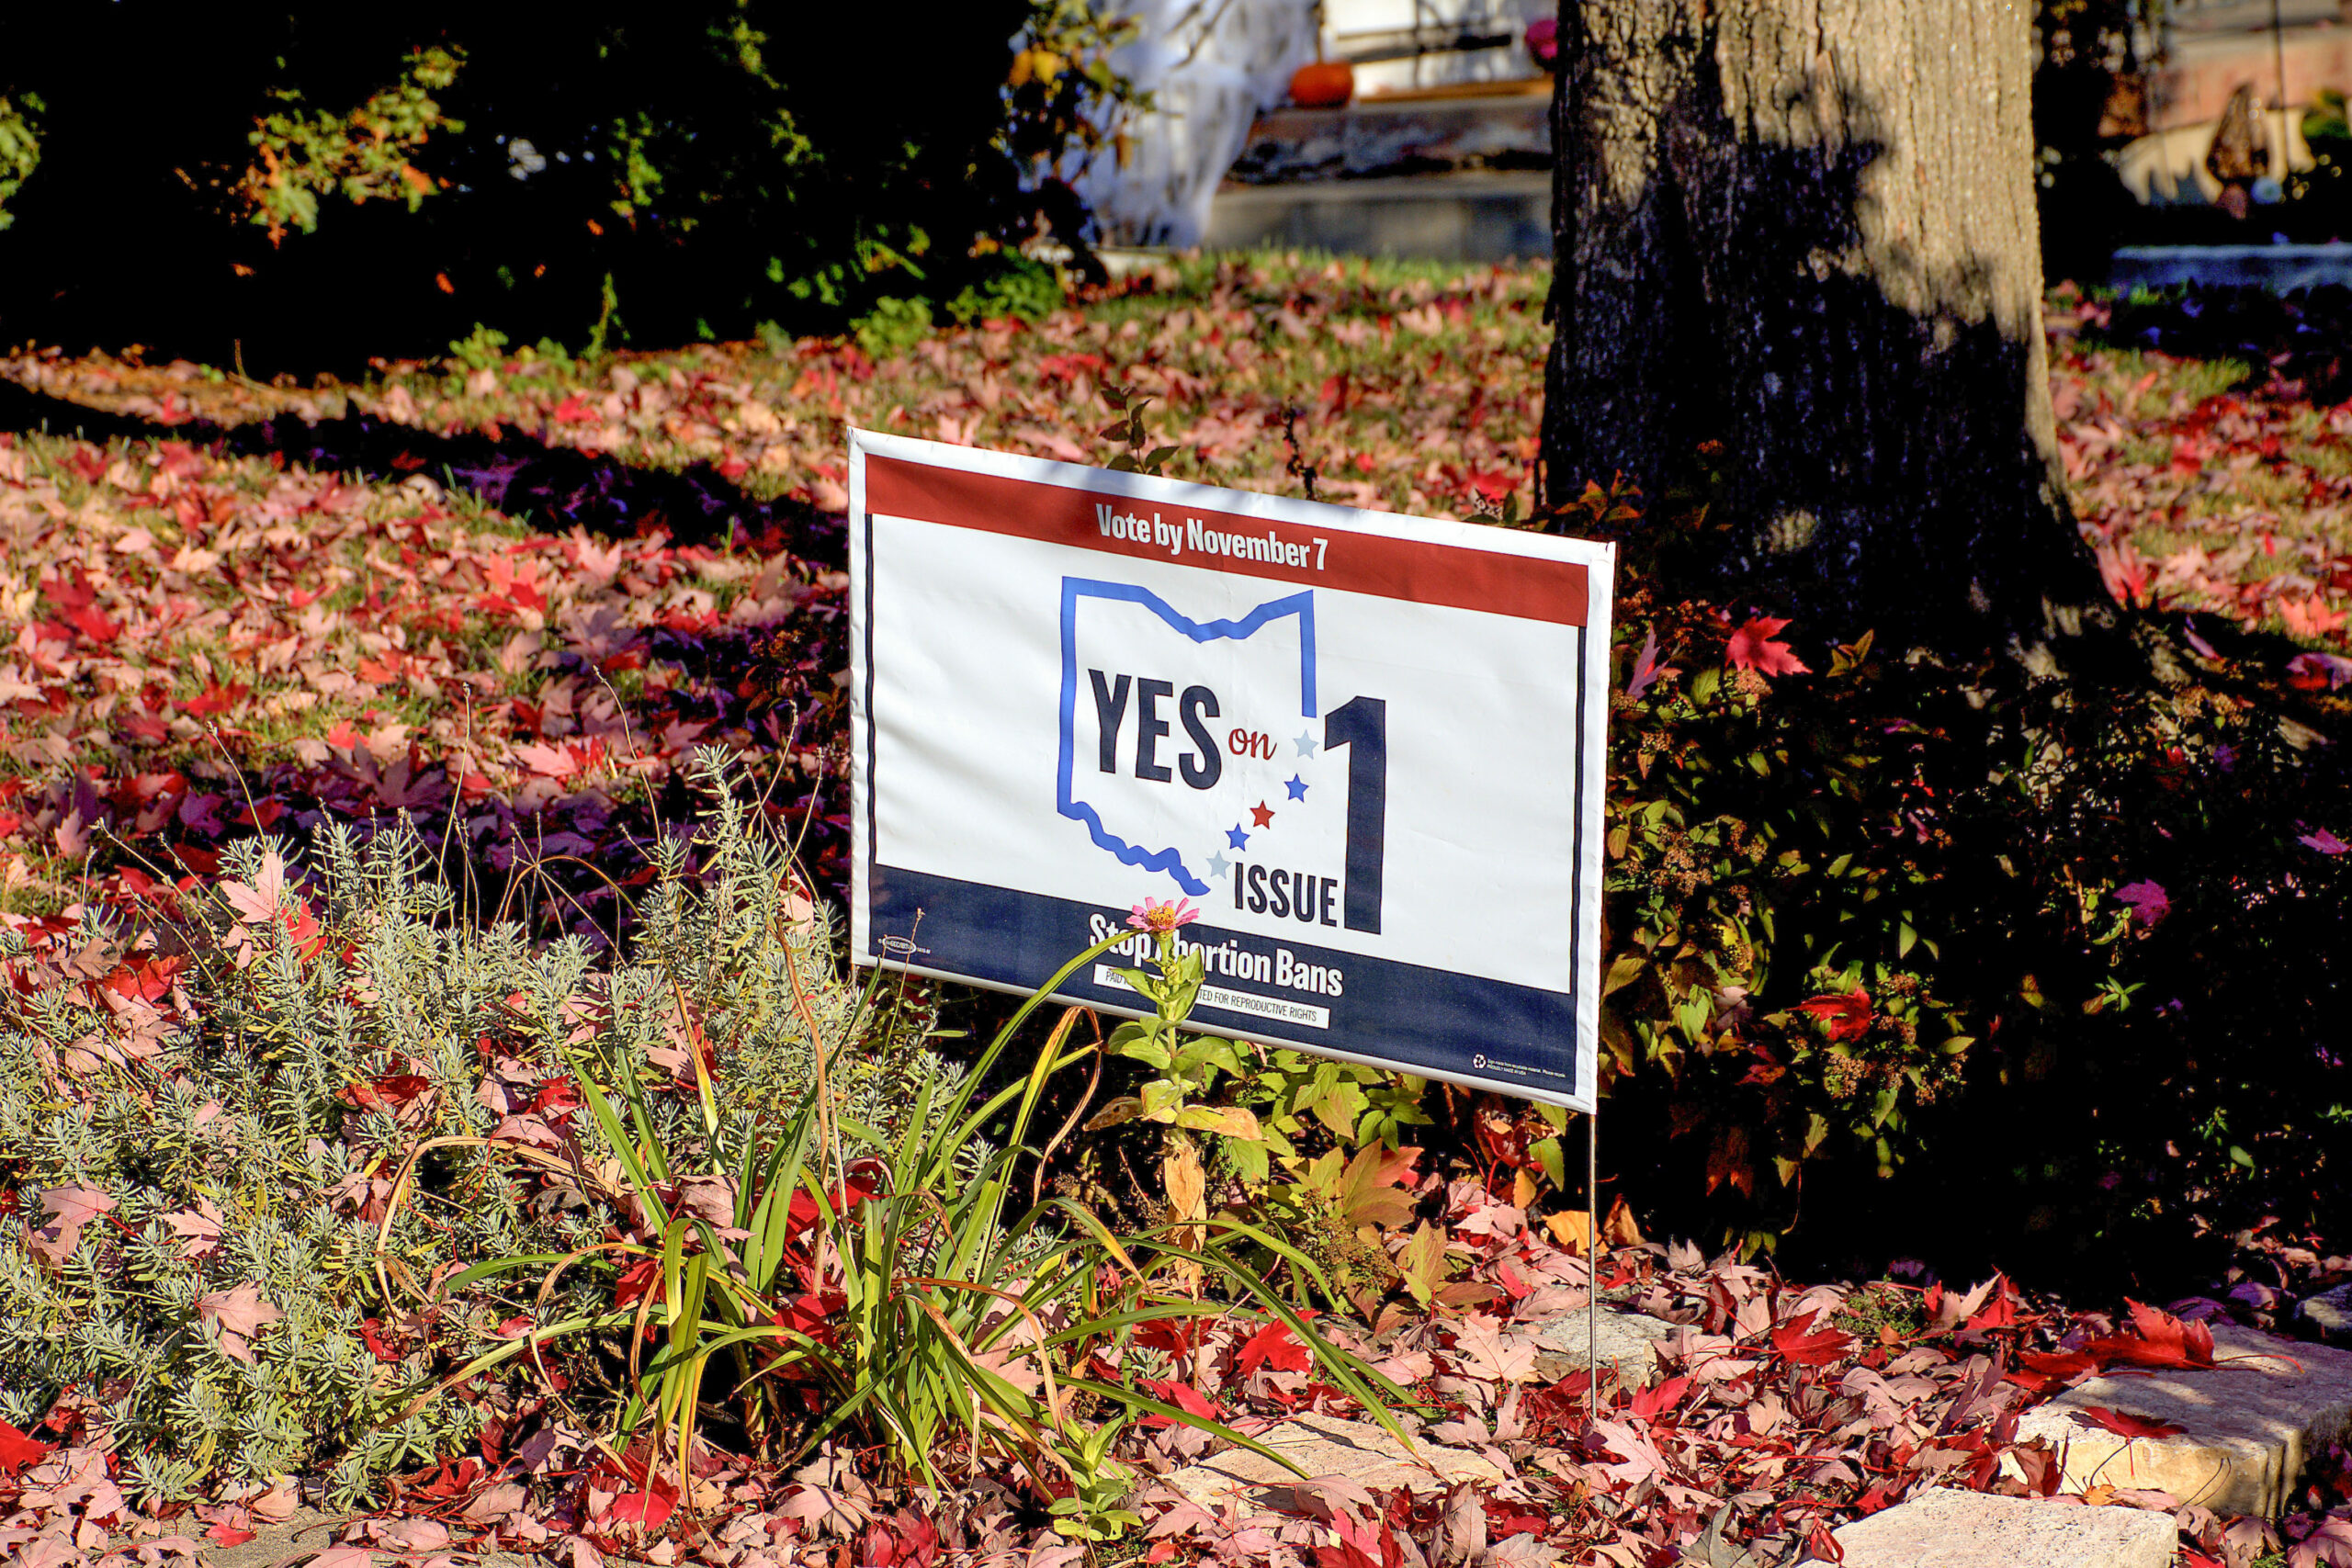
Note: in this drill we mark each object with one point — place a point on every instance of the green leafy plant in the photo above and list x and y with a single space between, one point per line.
301 153
1022 289
206 1121
19 146
848 1279
892 325
1732 807
1141 457
1262 1104
484 348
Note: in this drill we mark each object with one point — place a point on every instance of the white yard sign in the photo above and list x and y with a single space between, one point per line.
1368 748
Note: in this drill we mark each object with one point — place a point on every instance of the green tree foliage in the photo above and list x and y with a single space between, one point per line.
19 148
321 182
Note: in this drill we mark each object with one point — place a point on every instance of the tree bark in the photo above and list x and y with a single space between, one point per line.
1805 229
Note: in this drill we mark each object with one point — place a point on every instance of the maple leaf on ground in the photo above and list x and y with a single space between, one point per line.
1655 1400
1800 1343
1969 1311
214 700
409 1535
1331 1497
241 1313
1638 1457
258 903
2123 569
1275 1347
17 1450
2159 1340
1186 1517
826 1508
1752 648
1482 1351
1358 1545
1182 1395
343 1557
646 1510
2310 616
70 1208
1845 1016
197 1230
92 625
552 760
1522 1551
2330 1544
2041 1372
1462 1528
2001 1313
2126 1426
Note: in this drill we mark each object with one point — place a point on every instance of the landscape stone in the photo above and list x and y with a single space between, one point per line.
1625 1339
2330 1312
1974 1529
1326 1445
306 1531
2247 1425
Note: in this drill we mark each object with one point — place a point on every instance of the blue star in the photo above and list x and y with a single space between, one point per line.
1305 744
1237 837
1217 864
1298 789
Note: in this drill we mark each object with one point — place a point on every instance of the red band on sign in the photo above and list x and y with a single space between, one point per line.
1534 588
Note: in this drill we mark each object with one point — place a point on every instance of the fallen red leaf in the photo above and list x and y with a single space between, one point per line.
2042 1371
1649 1403
1182 1395
635 1281
1811 1348
648 1510
92 625
17 1450
2116 1421
1273 1346
2160 1340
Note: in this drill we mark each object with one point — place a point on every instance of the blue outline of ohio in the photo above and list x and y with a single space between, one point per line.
1171 861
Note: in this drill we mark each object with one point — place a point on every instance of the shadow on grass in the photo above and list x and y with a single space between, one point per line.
562 852
552 488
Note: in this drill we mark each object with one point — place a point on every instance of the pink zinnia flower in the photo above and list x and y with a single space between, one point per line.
1153 916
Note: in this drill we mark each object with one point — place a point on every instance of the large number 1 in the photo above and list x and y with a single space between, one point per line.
1362 726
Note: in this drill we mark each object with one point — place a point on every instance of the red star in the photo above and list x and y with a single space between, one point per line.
1261 816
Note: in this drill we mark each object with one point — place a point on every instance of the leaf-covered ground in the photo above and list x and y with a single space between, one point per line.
1777 1412
520 589
2209 486
505 599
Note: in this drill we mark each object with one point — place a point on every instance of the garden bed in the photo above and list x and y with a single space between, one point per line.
454 637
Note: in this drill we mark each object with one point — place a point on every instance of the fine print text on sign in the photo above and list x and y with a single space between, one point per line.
1368 748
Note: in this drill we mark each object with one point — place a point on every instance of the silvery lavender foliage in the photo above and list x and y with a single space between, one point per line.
244 1292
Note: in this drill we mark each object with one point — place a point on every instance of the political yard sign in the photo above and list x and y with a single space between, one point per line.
1368 749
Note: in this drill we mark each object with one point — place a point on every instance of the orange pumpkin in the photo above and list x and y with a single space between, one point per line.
1324 85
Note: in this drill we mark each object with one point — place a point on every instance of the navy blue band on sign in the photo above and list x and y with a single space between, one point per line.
1516 1039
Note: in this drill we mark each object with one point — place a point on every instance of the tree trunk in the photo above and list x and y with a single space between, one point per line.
1805 229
